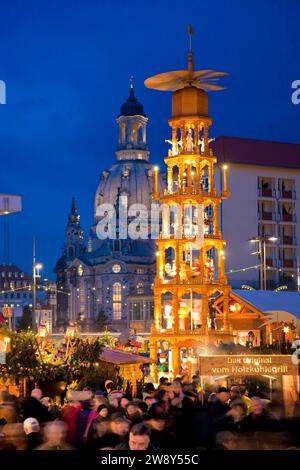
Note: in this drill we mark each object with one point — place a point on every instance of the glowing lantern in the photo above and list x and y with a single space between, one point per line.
70 331
42 331
286 329
235 307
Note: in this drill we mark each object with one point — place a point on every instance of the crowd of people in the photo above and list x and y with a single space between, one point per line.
176 415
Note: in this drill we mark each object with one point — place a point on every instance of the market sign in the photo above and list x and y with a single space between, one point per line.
237 365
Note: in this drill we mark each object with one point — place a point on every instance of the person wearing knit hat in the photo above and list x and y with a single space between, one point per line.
107 382
102 411
220 407
102 415
32 430
31 425
109 387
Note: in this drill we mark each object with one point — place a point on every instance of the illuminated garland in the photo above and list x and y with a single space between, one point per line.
243 269
36 359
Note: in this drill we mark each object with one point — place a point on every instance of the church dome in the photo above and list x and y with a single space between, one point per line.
132 107
133 178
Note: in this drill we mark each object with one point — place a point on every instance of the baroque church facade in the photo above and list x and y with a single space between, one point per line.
112 278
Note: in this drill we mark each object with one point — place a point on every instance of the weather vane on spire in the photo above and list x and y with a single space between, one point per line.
190 54
190 33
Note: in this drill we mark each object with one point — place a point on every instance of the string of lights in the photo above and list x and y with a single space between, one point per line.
243 269
29 288
256 266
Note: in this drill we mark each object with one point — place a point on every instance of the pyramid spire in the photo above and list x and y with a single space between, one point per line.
190 54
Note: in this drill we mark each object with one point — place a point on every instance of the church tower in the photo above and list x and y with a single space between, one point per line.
73 246
190 256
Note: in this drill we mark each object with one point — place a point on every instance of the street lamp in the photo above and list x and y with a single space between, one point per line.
36 268
262 252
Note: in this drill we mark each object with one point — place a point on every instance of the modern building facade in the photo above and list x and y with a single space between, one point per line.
264 180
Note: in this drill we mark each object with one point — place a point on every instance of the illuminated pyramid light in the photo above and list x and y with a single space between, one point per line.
190 257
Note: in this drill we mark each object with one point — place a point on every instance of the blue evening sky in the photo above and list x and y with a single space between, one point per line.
67 65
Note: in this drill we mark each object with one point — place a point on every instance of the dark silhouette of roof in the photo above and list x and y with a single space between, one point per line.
256 152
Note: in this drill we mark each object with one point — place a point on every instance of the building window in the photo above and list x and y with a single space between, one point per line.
140 270
117 299
136 312
140 288
116 268
151 311
117 292
117 311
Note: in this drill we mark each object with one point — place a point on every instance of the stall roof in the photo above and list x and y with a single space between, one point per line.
271 301
118 356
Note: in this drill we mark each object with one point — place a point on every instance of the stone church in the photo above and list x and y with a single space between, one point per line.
111 278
